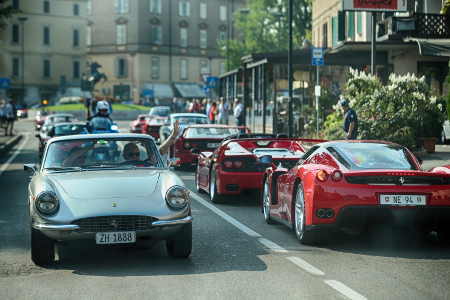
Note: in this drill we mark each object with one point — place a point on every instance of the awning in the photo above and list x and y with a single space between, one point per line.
160 90
434 47
189 90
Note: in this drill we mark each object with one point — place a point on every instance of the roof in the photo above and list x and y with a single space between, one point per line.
101 136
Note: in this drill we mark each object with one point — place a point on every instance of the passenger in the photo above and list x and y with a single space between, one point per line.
77 156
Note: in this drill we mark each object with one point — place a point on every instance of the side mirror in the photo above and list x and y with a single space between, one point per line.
29 168
264 160
419 160
172 161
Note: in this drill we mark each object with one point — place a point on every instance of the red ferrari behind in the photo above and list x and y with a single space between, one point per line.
351 184
136 125
152 125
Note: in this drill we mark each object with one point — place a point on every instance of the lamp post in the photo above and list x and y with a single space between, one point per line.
244 13
132 75
22 24
278 16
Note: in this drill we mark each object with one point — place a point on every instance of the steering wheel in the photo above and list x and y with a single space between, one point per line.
137 163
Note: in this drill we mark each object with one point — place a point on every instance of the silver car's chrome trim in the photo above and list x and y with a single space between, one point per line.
55 227
188 219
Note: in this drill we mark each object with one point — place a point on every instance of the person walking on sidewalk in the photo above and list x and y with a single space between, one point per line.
10 117
2 112
223 112
212 113
350 121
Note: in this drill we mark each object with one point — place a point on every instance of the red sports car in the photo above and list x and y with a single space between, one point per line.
40 119
232 168
203 137
351 184
136 125
152 125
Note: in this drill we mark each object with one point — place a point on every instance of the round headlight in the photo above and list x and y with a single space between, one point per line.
177 197
47 202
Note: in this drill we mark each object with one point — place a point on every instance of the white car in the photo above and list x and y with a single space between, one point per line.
445 134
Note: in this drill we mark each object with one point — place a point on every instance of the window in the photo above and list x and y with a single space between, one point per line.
120 67
183 37
47 7
15 34
15 4
358 23
121 6
88 36
335 30
223 36
76 38
203 10
203 65
76 69
121 34
46 71
157 35
15 67
325 34
155 6
203 39
76 10
351 24
223 13
46 35
183 68
89 7
155 67
184 8
223 68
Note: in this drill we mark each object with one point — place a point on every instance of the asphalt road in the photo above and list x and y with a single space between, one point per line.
236 255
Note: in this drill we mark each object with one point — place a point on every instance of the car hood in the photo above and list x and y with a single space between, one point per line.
108 184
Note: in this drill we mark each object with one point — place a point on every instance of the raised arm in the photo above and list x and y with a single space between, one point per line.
172 138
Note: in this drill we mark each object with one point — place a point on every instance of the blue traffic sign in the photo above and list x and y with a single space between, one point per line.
212 82
148 93
317 56
205 89
5 83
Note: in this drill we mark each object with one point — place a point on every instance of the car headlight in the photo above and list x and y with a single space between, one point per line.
47 202
177 197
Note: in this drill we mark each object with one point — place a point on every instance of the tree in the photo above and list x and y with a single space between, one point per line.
6 12
262 30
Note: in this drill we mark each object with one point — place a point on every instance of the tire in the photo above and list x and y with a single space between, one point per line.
444 235
180 245
42 248
197 181
214 196
266 203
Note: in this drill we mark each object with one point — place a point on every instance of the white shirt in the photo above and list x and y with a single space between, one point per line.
9 111
222 111
238 110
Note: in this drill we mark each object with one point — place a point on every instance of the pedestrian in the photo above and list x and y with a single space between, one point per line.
238 112
223 114
350 121
10 117
2 112
212 113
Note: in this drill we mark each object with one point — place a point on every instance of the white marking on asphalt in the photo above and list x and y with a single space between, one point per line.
305 266
8 162
345 290
272 245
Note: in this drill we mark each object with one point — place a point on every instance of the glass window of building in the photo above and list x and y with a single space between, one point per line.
76 69
155 67
184 8
120 67
88 36
15 67
76 9
47 70
121 34
46 35
223 36
46 7
203 9
76 38
203 65
203 38
183 69
121 6
15 33
89 7
183 37
155 6
157 35
223 13
15 4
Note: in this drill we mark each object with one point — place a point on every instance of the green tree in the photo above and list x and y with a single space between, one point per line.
262 30
6 12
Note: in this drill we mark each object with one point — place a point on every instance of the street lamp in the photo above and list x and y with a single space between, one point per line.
244 13
132 75
278 16
22 24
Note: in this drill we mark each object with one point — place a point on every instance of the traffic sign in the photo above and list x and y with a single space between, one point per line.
317 56
204 76
5 83
205 89
148 93
212 82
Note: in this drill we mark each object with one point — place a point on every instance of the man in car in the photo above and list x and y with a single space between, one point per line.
77 156
102 119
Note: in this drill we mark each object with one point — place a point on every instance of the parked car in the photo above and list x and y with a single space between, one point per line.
60 129
162 111
123 199
152 126
348 185
136 125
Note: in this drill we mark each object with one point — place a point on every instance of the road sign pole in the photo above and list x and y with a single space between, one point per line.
317 101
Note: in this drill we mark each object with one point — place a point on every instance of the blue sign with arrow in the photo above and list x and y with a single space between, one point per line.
5 83
212 82
205 89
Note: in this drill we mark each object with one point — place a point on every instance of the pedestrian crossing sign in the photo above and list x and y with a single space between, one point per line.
212 82
5 83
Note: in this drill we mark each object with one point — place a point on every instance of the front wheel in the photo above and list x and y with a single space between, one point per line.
214 196
42 248
197 180
180 245
443 233
266 203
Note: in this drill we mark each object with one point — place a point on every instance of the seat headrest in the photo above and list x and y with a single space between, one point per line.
282 135
243 136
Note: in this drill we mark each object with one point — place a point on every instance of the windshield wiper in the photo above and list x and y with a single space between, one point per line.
109 167
63 168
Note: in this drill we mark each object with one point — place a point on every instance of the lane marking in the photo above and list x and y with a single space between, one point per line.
8 162
305 266
345 290
272 245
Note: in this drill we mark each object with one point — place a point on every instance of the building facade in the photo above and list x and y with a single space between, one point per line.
44 48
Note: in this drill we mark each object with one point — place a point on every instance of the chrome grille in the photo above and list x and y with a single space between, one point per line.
114 223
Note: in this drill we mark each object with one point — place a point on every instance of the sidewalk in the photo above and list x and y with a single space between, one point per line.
7 141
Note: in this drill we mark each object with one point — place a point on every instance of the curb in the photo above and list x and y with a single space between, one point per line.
9 144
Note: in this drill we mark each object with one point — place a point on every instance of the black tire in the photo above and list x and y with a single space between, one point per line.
266 203
443 234
180 245
214 196
42 248
197 184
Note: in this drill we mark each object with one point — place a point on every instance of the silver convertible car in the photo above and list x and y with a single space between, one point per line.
108 189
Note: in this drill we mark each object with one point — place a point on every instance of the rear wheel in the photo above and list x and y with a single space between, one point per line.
180 245
443 233
197 180
266 203
42 248
215 197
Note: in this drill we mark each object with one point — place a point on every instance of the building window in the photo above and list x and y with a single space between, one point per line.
223 68
76 69
183 69
120 67
76 10
121 34
184 8
15 67
88 36
89 7
203 8
46 72
325 34
46 35
183 37
155 67
358 23
15 34
157 35
15 4
223 13
351 24
223 36
155 6
203 64
47 7
76 38
121 6
203 39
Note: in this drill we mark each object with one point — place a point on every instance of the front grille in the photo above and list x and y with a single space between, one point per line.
250 165
398 180
114 223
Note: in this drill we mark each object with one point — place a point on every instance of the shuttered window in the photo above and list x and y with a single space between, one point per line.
157 35
155 67
203 11
120 67
121 34
155 6
359 23
46 33
335 30
184 9
351 24
183 37
88 36
121 6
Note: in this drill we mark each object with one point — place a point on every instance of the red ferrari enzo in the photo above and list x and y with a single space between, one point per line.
152 125
136 125
351 184
232 167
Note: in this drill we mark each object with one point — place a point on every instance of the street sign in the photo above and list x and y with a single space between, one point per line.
205 89
212 82
5 83
317 56
378 6
148 93
204 76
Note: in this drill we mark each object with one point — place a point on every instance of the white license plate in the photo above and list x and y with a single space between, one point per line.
213 145
403 200
119 237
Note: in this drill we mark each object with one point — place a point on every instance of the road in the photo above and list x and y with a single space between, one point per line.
236 255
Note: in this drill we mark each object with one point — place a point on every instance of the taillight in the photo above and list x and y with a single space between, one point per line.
322 175
336 175
238 164
228 164
187 145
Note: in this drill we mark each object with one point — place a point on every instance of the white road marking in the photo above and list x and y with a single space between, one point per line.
8 162
345 290
272 245
305 266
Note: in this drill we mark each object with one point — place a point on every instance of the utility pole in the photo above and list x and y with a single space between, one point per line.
290 73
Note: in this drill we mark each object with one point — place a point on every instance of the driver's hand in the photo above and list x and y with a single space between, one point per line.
176 129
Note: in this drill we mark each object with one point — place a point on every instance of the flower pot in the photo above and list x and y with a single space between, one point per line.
429 144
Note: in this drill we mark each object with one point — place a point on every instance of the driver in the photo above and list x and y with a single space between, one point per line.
101 118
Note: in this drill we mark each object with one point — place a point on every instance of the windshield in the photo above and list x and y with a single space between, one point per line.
61 119
101 153
191 120
160 111
205 132
69 129
375 156
157 122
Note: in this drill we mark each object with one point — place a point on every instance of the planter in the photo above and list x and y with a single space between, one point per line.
429 144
